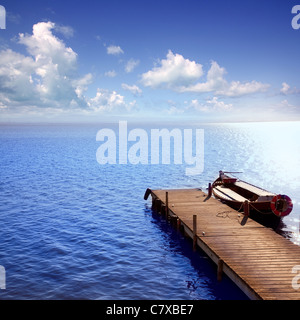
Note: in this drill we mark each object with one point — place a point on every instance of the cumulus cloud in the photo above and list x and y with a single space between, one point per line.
106 100
213 104
216 104
218 84
131 65
111 74
81 84
16 82
173 72
134 89
215 81
114 50
180 74
236 88
46 48
48 76
286 89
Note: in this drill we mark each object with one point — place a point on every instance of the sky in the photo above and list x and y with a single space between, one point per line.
158 60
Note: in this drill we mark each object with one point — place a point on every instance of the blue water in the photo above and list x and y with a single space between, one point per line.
74 229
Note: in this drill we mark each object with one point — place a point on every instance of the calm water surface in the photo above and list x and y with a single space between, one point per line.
74 229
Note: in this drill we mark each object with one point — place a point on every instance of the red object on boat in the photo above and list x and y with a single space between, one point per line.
281 205
229 180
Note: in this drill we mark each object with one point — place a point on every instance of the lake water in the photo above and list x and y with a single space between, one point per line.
72 228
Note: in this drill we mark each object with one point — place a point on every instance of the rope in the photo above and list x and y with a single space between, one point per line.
241 207
225 214
257 209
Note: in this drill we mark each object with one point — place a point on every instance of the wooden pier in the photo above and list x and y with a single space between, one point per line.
262 263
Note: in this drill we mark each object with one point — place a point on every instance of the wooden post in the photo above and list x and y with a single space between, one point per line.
178 223
220 269
157 205
194 232
167 204
246 208
209 190
147 193
163 208
153 202
246 212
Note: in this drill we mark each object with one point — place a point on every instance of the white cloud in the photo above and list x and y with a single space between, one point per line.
210 105
285 88
111 74
173 110
174 71
285 103
52 75
215 81
46 48
131 65
81 84
179 74
114 50
134 89
106 100
48 77
236 88
66 31
219 105
15 78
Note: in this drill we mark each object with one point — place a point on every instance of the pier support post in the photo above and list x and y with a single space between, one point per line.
194 232
220 269
178 224
167 204
153 202
163 209
157 205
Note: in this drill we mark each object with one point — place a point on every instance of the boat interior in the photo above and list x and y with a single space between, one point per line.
233 189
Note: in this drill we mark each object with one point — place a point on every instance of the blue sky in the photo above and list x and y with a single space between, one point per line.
215 61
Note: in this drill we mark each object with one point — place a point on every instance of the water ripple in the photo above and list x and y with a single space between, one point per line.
73 229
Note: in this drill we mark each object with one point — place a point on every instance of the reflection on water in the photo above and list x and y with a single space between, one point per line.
268 154
278 165
74 229
200 273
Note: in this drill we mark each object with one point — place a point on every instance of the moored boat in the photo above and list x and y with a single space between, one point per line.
235 193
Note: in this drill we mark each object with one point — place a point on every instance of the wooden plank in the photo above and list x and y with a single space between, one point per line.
257 259
229 194
254 189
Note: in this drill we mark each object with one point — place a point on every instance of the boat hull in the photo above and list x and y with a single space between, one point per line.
263 207
260 211
231 192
